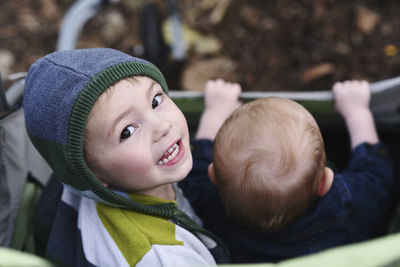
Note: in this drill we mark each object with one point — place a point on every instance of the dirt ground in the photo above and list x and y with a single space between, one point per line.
264 45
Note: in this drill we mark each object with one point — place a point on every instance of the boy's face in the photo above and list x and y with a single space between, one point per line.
137 139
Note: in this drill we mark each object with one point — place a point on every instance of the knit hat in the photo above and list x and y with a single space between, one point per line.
60 90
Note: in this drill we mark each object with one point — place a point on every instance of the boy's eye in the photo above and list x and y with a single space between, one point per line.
127 132
156 101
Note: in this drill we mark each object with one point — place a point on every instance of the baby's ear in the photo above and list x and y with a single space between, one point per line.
211 174
326 182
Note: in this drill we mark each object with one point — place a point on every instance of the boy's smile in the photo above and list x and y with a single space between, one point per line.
170 157
137 139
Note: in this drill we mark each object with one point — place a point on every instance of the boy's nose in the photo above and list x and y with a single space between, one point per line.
161 127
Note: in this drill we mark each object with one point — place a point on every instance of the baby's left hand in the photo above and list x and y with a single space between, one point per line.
351 97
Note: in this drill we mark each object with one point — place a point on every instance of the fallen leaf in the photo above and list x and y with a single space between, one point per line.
198 72
201 44
317 71
114 26
219 11
366 20
390 50
49 9
28 20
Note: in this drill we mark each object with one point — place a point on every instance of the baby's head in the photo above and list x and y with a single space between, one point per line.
269 163
101 117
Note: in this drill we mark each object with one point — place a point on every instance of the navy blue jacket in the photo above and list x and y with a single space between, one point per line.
351 211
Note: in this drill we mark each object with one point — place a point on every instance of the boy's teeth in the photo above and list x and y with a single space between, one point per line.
172 152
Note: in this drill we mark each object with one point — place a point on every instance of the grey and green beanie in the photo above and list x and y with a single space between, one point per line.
60 90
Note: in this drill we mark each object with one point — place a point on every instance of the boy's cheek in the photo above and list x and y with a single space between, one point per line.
137 164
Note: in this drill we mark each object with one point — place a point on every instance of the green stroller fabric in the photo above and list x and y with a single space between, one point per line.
18 160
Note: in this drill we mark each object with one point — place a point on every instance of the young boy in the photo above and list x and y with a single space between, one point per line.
104 123
274 197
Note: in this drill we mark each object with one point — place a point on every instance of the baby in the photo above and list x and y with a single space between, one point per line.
274 198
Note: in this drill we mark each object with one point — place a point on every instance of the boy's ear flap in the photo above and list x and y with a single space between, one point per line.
105 184
326 181
211 174
101 180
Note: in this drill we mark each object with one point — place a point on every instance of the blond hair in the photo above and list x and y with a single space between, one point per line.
268 159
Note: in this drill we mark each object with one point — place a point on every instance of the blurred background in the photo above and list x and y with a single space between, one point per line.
274 45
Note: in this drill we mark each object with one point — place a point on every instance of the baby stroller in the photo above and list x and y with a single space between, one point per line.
23 172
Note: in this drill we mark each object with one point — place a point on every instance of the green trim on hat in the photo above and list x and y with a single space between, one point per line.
80 112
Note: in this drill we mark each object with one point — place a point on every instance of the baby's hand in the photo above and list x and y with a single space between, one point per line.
351 97
352 101
221 97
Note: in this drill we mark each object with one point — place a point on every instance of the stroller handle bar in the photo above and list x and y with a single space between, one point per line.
375 87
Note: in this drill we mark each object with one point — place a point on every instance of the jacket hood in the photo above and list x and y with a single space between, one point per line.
60 90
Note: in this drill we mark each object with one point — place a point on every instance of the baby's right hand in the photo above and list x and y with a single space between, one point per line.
351 97
222 97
